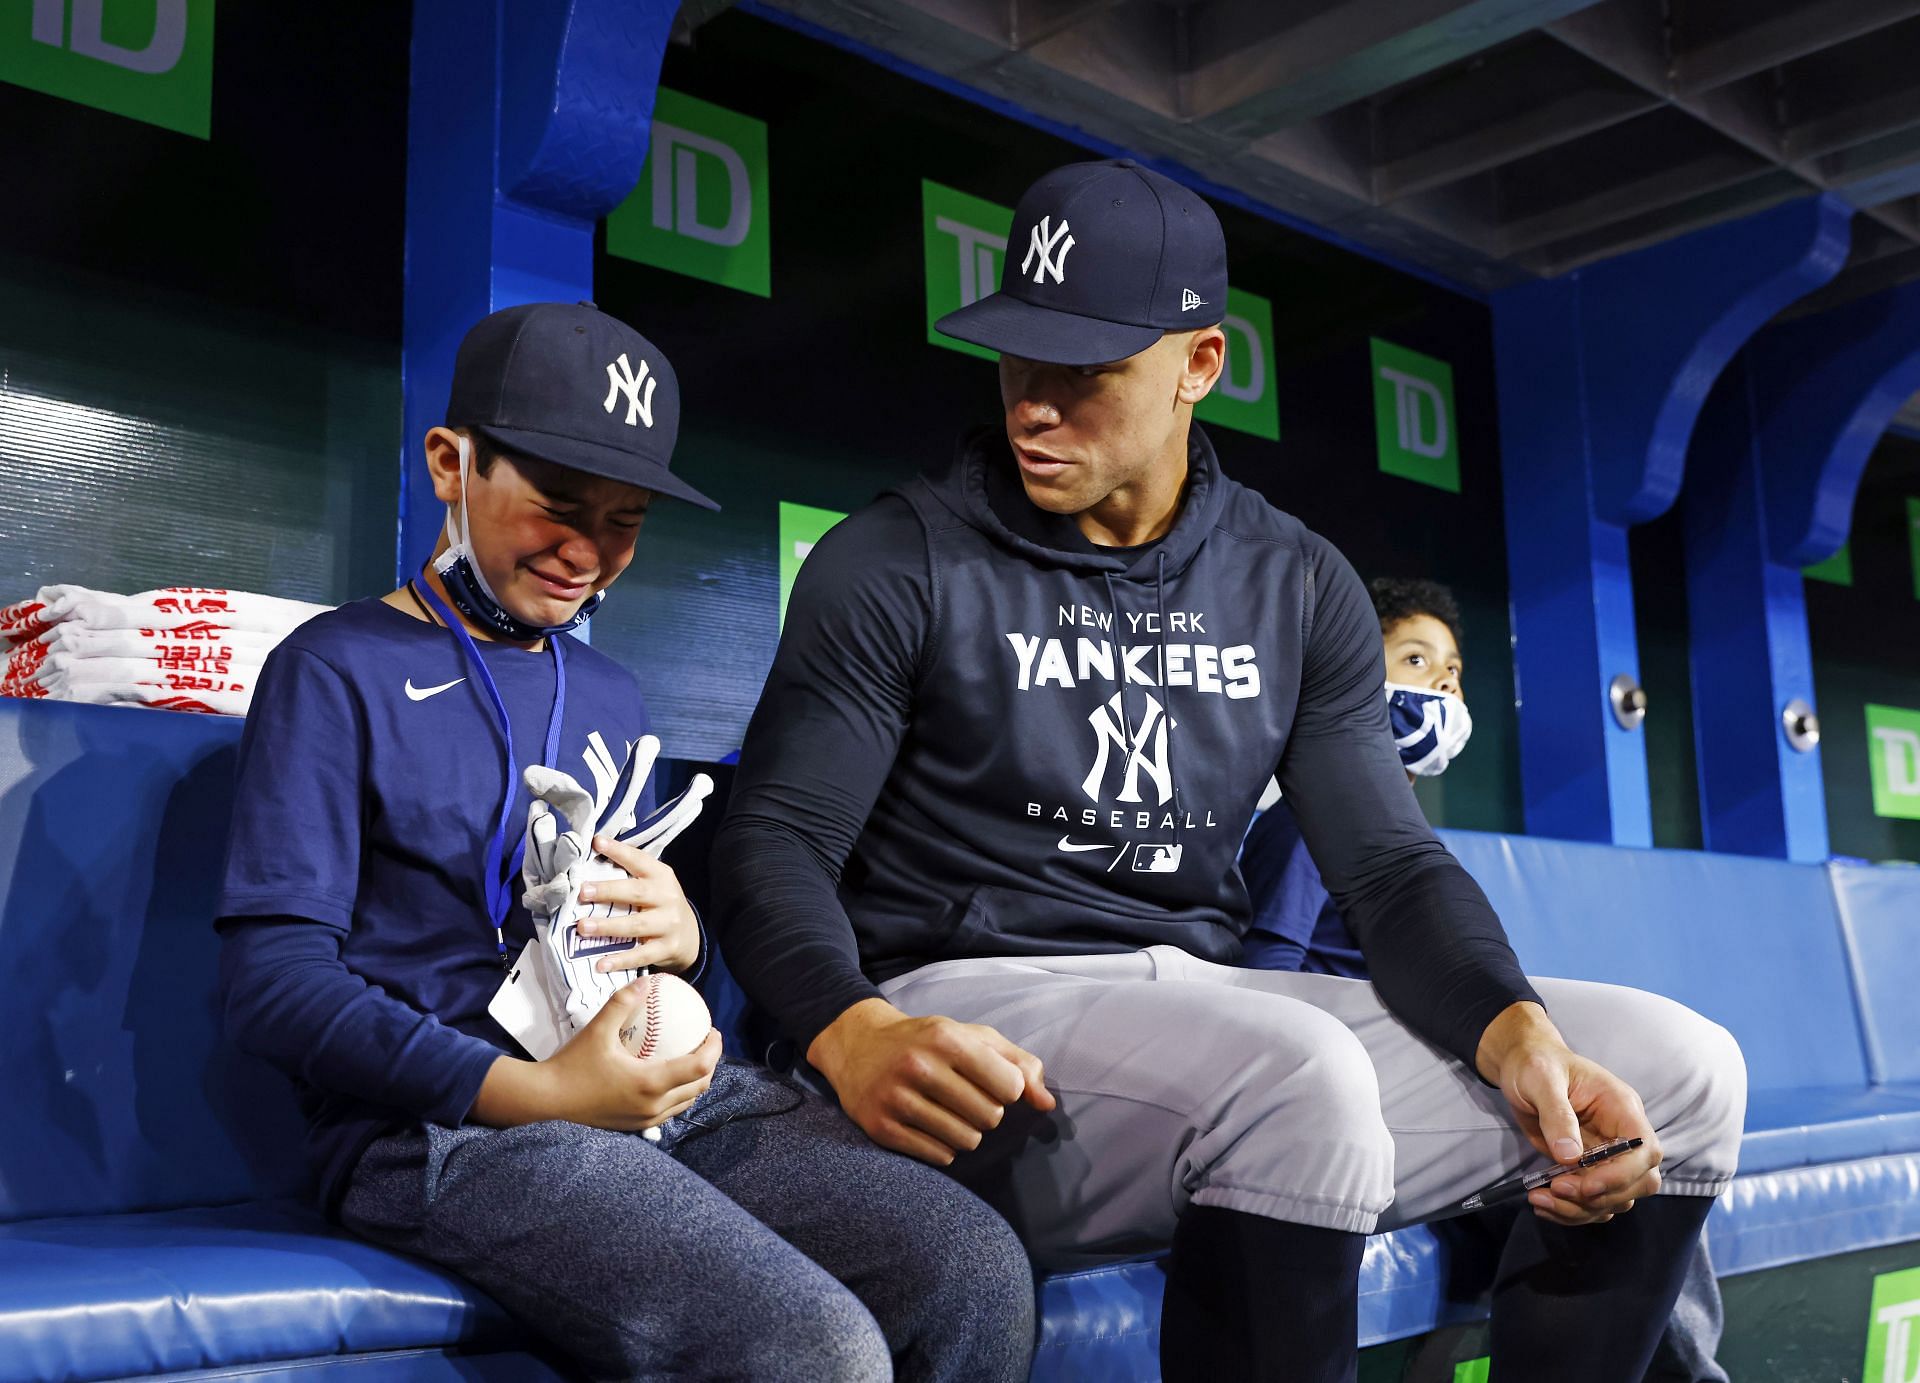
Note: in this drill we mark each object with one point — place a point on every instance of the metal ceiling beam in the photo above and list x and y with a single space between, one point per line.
1035 21
1251 75
1627 37
1505 136
1617 238
1889 113
1520 100
1797 29
1654 190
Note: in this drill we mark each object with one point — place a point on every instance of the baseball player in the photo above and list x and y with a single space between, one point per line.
979 866
371 907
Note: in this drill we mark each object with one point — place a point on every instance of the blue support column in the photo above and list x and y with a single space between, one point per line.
1602 374
528 121
1773 477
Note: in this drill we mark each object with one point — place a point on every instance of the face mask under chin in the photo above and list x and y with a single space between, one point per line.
467 588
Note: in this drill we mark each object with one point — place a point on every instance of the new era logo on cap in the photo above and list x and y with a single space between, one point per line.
1147 257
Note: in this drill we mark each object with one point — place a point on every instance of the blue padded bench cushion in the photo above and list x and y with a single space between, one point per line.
1793 1128
1769 1218
1880 916
1753 944
198 1289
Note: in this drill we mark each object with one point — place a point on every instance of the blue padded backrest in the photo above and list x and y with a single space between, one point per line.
1753 944
1880 918
115 1092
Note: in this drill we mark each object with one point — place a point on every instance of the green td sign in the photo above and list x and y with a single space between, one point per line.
701 206
965 239
149 60
1244 397
1893 1329
1893 752
1837 569
965 243
1413 418
801 526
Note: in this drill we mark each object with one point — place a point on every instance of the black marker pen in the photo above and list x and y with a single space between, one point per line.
1515 1187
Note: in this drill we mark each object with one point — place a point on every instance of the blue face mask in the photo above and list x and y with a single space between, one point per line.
468 589
1430 728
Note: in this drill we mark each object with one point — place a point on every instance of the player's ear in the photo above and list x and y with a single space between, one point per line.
1206 351
443 463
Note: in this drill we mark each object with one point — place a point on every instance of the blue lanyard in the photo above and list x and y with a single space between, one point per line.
498 869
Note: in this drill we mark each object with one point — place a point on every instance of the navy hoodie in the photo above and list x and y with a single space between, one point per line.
982 735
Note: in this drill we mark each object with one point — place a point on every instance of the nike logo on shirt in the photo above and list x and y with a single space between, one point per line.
422 693
1071 848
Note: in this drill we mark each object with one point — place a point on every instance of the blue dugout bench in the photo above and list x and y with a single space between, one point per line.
151 1212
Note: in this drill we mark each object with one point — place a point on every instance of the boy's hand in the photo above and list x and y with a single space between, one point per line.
931 1088
595 1080
662 926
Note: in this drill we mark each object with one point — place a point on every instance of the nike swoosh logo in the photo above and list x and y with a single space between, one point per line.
422 693
1071 848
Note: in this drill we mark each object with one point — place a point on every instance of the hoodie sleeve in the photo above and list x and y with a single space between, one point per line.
818 750
1438 954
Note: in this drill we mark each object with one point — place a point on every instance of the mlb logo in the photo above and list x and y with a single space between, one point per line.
1157 859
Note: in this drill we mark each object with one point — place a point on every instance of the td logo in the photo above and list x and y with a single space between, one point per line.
1413 416
149 60
700 207
801 526
965 242
1893 1329
1893 753
1244 397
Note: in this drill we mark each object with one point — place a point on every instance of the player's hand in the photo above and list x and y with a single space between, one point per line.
1565 1103
595 1080
931 1088
662 926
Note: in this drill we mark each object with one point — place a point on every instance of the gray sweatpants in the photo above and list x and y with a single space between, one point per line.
1297 1097
763 1237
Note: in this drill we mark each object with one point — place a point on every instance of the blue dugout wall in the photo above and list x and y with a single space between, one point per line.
1639 458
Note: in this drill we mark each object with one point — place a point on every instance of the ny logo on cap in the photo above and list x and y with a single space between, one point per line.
621 379
1052 246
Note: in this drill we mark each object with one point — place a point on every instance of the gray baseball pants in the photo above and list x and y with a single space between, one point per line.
763 1237
1296 1097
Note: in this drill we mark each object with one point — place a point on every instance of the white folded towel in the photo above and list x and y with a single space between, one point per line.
220 703
138 681
198 641
176 608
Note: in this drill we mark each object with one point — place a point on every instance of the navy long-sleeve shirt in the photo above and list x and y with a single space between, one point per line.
357 953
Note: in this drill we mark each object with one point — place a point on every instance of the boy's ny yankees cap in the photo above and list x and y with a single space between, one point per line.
1103 258
566 383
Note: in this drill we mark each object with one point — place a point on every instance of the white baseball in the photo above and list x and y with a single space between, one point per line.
672 1020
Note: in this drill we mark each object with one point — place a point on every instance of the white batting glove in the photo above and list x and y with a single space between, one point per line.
558 862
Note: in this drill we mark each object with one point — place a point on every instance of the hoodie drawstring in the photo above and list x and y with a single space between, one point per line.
1166 691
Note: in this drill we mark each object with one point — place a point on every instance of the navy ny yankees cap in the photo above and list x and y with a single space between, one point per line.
1103 258
566 383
